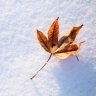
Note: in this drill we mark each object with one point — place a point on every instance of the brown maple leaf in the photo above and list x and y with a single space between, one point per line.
60 49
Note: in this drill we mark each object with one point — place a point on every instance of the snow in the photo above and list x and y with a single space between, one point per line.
21 54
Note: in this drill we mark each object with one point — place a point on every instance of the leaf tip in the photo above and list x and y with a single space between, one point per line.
37 30
81 26
57 18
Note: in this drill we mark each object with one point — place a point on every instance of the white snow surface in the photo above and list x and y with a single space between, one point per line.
21 54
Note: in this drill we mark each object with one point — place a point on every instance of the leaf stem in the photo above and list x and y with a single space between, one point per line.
41 67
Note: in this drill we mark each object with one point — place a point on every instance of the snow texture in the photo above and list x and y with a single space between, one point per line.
21 54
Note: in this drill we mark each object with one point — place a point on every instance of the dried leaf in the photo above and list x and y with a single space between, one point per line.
70 36
53 35
62 49
43 40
